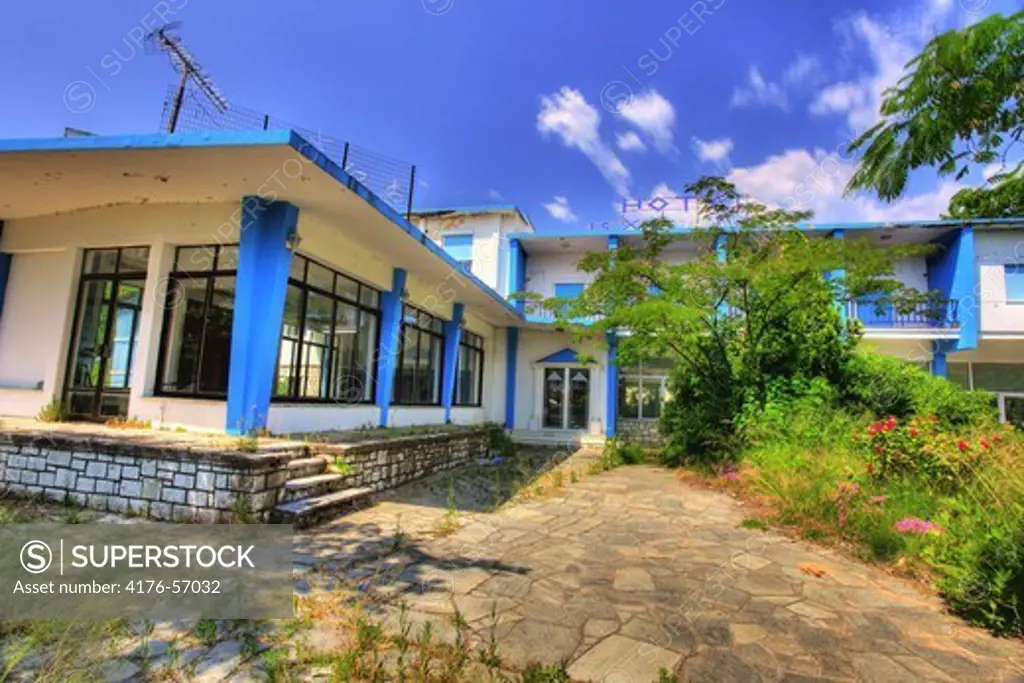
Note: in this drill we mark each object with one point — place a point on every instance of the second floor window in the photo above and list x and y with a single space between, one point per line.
1014 274
460 248
421 357
328 344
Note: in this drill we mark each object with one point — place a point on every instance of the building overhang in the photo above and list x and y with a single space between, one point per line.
49 176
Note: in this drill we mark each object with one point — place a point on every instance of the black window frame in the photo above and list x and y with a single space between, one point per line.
410 311
211 275
294 396
473 343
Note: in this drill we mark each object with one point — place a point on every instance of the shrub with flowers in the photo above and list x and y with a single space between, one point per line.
919 447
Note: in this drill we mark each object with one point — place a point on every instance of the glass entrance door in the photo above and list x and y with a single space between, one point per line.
106 326
566 398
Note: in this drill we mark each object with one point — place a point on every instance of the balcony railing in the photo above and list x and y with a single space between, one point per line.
941 313
392 180
547 317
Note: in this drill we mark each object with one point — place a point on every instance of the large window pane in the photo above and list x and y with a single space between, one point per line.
629 398
316 339
959 373
999 376
216 356
286 383
196 344
650 398
183 334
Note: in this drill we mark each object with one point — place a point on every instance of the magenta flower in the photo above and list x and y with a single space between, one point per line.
913 525
731 476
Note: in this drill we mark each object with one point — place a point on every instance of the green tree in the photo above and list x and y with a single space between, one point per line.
961 103
749 298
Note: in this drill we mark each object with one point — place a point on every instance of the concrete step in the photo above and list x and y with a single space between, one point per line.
315 485
307 512
307 467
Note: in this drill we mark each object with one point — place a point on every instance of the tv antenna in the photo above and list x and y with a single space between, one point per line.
165 40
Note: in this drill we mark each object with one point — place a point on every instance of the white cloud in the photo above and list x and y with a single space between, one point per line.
559 210
759 92
889 45
568 115
653 115
800 179
629 142
715 151
803 71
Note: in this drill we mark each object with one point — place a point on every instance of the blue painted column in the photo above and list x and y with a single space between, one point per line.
517 272
953 271
722 253
260 289
612 395
940 347
390 341
611 407
839 274
452 337
511 359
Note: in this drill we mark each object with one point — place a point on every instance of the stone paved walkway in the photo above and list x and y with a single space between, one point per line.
631 571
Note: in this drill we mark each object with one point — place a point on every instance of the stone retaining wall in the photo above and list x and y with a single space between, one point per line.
641 431
176 483
387 463
158 482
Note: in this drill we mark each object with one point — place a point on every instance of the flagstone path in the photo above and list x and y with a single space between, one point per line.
631 571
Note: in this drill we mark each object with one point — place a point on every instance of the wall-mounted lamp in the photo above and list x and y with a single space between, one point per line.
293 241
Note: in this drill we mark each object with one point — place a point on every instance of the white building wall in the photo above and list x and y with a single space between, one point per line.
488 236
994 249
913 272
544 270
35 327
537 344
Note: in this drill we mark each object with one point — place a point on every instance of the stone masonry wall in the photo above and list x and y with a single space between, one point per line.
387 463
155 482
641 431
186 485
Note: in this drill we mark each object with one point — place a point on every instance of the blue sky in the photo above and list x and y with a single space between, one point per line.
563 108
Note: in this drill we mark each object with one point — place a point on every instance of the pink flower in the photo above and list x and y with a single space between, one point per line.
913 525
962 445
985 443
731 476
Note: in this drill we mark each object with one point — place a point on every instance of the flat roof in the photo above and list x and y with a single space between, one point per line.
1007 222
46 176
474 210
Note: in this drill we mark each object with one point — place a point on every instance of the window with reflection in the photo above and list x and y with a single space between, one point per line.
421 356
195 349
328 344
469 374
643 390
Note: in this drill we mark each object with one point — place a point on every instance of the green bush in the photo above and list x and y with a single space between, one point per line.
699 421
618 452
981 559
884 386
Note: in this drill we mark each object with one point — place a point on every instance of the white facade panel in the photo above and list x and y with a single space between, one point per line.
996 249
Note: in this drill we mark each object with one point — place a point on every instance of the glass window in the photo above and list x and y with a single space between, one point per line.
1008 377
329 337
460 248
195 349
1014 282
98 261
421 358
642 391
959 373
470 371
